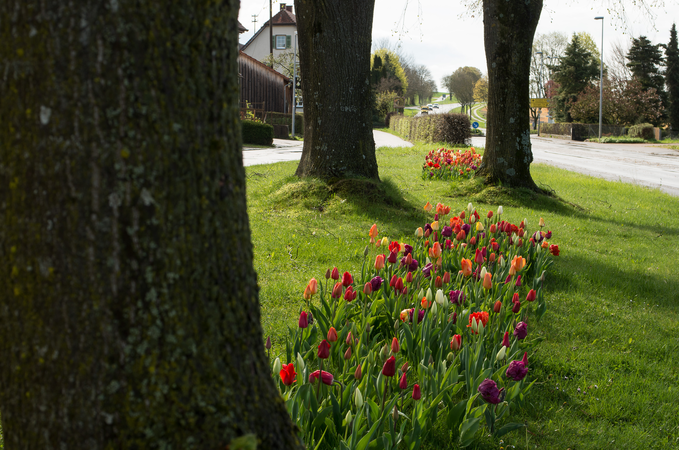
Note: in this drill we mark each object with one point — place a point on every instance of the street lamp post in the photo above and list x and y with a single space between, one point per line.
601 74
294 81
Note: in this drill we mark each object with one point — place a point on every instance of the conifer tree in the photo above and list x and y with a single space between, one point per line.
672 80
645 60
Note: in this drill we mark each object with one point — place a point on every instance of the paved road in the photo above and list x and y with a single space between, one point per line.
287 150
641 164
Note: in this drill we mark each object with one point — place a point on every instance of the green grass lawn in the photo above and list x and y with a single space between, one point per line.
607 368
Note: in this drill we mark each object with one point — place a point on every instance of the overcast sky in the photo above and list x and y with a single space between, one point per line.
441 34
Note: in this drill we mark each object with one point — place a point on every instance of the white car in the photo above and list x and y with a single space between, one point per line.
435 105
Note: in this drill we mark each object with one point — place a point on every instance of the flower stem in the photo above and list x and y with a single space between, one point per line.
384 396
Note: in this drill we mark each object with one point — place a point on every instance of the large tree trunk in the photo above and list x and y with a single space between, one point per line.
334 49
509 27
129 313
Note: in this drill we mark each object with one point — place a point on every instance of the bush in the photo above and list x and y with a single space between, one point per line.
642 130
256 132
388 117
448 128
276 118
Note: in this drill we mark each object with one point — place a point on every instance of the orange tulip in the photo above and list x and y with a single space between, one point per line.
311 289
373 233
518 263
428 207
379 262
435 251
487 281
466 267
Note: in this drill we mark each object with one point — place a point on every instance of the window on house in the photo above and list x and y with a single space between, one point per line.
280 42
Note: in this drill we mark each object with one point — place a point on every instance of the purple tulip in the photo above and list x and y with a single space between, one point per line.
420 315
376 283
407 249
447 231
521 330
427 226
489 391
427 270
548 235
457 297
517 370
413 265
466 227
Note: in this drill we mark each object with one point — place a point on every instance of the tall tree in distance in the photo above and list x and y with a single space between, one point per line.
672 80
334 51
509 28
645 60
130 314
576 70
461 84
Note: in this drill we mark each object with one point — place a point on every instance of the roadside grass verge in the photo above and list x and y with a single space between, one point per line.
607 368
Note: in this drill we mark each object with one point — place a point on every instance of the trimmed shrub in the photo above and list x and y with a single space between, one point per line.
276 118
642 130
448 128
388 117
256 132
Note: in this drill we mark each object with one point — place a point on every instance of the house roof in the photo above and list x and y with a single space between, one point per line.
283 17
262 65
241 28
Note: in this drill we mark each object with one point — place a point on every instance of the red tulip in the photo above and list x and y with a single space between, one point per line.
332 334
438 282
516 308
403 382
368 289
393 257
446 277
347 354
350 339
472 241
515 297
392 282
497 307
554 250
326 377
490 214
493 229
531 295
347 279
409 277
335 273
337 290
398 286
350 294
505 340
357 373
324 349
394 346
456 343
288 374
416 392
303 319
389 368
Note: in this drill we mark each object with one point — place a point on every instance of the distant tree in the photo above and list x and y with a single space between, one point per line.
672 80
552 46
645 60
616 61
284 63
338 137
587 41
461 84
481 90
625 102
386 72
420 83
576 70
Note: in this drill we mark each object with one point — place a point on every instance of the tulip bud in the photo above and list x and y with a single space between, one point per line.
332 335
446 277
516 308
349 340
429 295
416 392
456 343
368 289
385 241
505 339
395 414
303 319
515 297
366 251
300 363
337 290
357 375
483 272
438 282
268 343
420 294
347 354
531 295
450 357
409 277
501 353
348 418
384 353
497 307
358 397
440 298
327 274
403 382
499 210
434 309
404 367
335 273
367 328
395 347
276 366
475 325
480 328
472 218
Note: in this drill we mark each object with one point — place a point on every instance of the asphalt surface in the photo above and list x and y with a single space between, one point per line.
641 164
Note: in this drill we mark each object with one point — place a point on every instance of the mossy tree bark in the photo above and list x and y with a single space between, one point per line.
334 48
129 313
509 27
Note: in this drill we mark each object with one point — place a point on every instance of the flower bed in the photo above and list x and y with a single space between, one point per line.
443 164
433 329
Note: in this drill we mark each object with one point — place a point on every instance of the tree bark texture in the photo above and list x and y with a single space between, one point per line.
334 48
129 314
509 27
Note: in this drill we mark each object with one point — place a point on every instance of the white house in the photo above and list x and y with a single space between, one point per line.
284 27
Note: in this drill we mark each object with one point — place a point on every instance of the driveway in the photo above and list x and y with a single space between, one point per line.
286 150
642 164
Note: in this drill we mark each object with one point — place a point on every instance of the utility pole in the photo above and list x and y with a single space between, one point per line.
254 24
294 82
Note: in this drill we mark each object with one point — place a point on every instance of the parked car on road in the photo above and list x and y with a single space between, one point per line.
435 105
425 109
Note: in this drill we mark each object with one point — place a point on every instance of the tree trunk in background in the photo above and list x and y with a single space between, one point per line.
129 314
334 49
509 27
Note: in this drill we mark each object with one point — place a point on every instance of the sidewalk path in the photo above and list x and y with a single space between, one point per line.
286 150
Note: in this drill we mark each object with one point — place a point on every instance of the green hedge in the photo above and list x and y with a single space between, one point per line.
275 118
448 128
256 132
